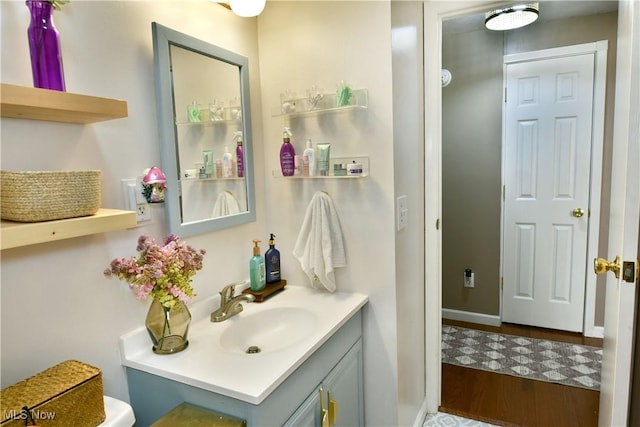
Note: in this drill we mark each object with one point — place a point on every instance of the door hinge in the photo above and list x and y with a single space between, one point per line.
505 95
438 224
504 192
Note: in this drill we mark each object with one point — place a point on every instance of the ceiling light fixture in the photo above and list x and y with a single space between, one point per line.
511 17
247 8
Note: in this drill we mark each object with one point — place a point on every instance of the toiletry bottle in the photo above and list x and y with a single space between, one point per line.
272 258
287 154
324 154
227 164
207 156
257 269
297 165
309 158
237 136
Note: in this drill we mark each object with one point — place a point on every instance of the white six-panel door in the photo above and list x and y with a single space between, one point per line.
546 173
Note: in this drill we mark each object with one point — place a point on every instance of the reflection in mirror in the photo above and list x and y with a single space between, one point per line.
205 126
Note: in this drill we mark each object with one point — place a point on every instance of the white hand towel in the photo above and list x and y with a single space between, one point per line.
225 205
320 248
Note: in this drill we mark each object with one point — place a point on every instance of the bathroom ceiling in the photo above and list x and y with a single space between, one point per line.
549 11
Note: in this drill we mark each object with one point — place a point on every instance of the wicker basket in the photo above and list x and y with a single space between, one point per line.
67 394
35 196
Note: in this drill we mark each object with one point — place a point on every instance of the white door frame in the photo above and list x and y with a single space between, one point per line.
434 13
617 362
599 49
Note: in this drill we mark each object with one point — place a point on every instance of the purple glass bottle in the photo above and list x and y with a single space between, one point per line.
44 45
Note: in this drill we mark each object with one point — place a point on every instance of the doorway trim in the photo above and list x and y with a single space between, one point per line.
599 49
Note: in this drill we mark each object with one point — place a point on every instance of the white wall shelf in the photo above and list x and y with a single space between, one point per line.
193 180
364 161
16 234
21 102
207 123
300 107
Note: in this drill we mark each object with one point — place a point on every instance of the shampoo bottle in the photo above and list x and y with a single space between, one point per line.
272 258
257 269
287 154
309 159
237 136
227 164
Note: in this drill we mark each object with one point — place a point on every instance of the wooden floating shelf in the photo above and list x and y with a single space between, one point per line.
20 102
15 234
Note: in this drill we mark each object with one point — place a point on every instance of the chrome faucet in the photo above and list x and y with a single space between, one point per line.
230 305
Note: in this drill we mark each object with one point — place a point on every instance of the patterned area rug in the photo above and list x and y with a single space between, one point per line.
442 419
551 361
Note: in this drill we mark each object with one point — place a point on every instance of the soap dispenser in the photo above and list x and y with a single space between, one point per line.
272 258
287 154
257 269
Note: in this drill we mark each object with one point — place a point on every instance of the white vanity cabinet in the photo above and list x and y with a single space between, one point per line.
335 367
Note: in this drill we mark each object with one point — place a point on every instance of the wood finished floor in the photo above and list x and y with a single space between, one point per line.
513 401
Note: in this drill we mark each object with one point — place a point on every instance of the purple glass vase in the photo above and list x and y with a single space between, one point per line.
44 45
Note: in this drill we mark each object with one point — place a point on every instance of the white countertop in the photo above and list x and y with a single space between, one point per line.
205 364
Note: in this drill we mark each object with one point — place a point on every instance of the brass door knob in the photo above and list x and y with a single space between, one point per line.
601 266
578 212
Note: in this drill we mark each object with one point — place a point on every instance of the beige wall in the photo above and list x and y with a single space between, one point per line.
472 147
471 140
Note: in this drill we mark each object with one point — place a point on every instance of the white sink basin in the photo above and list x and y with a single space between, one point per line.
269 330
288 328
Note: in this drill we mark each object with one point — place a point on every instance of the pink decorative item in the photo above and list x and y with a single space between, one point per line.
154 184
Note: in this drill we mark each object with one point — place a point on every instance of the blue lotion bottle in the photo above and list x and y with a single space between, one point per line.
272 258
257 269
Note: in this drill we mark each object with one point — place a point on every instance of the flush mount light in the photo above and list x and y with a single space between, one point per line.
511 17
247 8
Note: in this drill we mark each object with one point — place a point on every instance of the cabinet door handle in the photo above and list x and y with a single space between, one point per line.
333 410
324 412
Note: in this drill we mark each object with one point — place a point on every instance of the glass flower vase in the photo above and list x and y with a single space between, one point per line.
44 47
168 327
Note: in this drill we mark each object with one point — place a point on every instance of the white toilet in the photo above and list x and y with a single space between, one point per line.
119 413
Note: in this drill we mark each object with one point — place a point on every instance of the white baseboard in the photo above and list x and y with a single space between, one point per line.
468 316
493 320
422 415
595 332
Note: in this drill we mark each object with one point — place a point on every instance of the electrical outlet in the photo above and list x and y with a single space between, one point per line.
143 212
469 278
134 200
